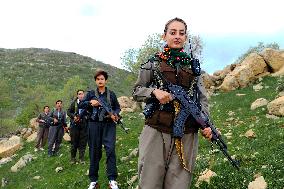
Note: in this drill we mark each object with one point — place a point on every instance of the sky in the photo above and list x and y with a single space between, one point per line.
105 29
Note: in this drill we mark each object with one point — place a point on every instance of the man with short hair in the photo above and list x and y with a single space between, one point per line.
56 130
44 121
102 129
78 128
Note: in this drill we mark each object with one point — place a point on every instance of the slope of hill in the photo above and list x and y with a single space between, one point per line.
261 155
36 75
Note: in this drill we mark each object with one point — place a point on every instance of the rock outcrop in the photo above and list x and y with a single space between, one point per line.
9 146
249 70
276 107
273 58
254 66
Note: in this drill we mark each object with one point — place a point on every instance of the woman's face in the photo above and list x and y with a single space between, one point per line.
175 36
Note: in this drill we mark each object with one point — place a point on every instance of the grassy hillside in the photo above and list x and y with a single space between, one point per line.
32 78
261 155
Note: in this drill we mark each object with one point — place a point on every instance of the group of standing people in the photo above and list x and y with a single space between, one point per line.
51 126
164 162
90 122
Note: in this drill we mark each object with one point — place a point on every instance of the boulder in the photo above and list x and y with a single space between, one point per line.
22 162
32 137
5 160
9 146
205 176
279 73
28 132
207 80
221 74
125 102
273 58
36 177
258 183
276 107
58 169
257 87
268 116
250 134
34 124
251 68
258 103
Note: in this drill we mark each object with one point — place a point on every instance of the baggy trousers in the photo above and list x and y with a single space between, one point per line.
55 136
42 135
102 133
159 166
79 138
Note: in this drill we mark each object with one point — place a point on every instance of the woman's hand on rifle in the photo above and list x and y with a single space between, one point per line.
163 96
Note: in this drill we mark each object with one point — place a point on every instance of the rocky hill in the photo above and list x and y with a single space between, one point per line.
254 66
31 78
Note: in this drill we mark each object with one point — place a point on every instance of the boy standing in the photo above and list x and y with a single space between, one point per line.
102 129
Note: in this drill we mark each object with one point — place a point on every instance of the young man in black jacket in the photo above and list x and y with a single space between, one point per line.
78 129
102 129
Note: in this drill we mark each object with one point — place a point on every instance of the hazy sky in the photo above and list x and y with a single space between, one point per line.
104 29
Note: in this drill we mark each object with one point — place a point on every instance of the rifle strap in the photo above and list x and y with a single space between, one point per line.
76 106
102 112
108 95
180 152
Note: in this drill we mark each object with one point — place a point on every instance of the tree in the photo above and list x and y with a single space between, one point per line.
133 58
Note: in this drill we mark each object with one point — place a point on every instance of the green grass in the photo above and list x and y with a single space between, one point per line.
263 154
74 176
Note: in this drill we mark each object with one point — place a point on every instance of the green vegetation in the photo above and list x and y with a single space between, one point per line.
257 49
263 154
32 78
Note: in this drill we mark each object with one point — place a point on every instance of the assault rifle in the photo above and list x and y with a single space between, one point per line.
189 108
106 107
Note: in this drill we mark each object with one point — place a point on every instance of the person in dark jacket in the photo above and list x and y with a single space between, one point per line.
78 129
56 130
44 121
102 129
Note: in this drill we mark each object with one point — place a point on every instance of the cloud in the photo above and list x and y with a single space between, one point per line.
104 29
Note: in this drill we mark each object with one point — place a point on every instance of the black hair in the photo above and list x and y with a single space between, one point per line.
101 72
58 101
80 90
45 107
